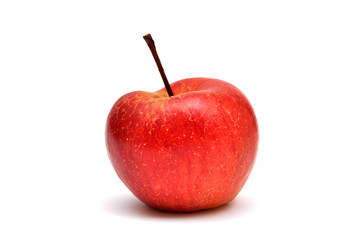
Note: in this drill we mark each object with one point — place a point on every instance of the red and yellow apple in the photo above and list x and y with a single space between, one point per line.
192 151
189 149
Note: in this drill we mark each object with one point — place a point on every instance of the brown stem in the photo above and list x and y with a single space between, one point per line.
149 40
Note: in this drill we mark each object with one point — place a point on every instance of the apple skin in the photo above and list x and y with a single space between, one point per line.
192 151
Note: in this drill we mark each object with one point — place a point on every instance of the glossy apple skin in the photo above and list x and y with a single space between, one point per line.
192 151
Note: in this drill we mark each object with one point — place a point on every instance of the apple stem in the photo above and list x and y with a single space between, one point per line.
149 40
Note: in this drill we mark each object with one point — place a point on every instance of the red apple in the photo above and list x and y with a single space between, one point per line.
191 151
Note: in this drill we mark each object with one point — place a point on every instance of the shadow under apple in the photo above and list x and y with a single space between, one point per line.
127 205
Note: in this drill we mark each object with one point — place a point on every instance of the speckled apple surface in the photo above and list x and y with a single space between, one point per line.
192 151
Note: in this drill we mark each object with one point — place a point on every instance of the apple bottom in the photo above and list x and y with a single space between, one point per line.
187 180
189 200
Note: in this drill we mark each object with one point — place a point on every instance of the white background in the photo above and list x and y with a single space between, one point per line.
64 63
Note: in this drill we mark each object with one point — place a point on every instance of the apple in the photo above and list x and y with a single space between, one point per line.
186 150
